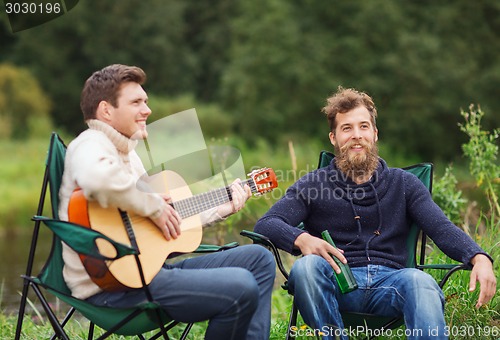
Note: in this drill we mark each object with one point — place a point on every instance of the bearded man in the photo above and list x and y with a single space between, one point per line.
368 208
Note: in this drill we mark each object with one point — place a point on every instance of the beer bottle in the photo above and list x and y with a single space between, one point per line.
345 280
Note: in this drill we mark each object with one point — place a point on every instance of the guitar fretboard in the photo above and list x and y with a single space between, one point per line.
211 199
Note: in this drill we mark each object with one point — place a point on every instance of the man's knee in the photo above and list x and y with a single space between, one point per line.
263 256
307 266
248 288
418 278
423 285
267 258
311 271
242 283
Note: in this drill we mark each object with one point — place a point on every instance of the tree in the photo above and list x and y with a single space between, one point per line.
273 78
94 34
271 64
24 107
421 62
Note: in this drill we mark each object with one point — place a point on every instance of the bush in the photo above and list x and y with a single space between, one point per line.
24 107
449 199
213 120
482 151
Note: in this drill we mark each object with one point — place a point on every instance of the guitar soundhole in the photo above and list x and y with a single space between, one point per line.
106 248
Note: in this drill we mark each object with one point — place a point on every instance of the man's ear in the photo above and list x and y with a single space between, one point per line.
331 135
103 111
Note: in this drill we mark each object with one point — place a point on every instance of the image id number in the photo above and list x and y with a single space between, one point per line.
32 8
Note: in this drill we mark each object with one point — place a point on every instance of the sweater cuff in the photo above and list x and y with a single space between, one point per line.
157 213
470 265
211 217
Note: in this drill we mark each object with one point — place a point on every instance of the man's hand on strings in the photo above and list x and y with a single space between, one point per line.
169 221
240 194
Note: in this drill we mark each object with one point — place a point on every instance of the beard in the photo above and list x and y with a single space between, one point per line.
357 164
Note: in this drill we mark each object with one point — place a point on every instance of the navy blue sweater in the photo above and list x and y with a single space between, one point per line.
325 199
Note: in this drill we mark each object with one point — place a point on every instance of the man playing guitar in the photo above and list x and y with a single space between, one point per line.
232 289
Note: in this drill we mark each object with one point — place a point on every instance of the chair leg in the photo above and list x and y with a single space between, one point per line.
186 331
58 328
91 331
29 267
292 322
22 307
65 320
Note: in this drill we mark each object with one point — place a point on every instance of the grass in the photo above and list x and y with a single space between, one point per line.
20 180
463 319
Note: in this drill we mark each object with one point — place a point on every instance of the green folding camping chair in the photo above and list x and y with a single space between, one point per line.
141 319
370 321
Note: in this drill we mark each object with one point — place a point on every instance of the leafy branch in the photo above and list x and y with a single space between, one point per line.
482 151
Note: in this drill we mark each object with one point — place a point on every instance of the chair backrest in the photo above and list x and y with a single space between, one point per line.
424 173
146 315
51 273
55 164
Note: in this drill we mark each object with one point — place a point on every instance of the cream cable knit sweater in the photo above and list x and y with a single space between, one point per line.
103 163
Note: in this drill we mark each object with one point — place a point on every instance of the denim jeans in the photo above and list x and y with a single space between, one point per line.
232 289
381 290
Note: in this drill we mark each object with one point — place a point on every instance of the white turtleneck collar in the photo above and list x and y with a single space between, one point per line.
122 143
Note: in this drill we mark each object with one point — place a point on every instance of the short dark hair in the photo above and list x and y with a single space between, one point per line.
345 100
105 85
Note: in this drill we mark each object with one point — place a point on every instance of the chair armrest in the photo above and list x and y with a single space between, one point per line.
266 242
208 248
450 268
83 240
442 266
257 238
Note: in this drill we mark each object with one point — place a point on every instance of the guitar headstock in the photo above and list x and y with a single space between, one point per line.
262 180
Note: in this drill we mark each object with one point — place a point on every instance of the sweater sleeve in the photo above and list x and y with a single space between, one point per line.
281 221
98 169
453 241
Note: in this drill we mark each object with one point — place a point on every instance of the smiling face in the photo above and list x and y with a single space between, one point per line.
130 115
354 127
354 140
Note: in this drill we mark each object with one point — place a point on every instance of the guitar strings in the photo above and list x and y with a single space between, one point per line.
201 202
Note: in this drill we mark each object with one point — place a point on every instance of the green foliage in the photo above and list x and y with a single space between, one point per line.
482 151
24 107
34 328
181 46
213 120
20 180
449 199
271 77
271 64
287 58
460 308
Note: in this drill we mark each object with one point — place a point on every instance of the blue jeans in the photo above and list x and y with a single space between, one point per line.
232 289
383 291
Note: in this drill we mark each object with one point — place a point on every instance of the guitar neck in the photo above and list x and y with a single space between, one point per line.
198 203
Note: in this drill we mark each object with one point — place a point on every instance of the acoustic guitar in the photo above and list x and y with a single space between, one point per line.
123 273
